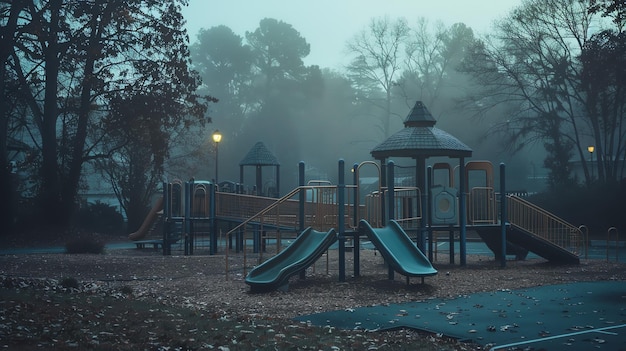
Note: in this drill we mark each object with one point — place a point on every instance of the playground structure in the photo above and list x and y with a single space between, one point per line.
403 217
199 219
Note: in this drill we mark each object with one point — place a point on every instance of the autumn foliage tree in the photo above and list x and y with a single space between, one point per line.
71 59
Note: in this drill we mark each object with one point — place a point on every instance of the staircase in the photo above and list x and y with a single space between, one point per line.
534 220
530 229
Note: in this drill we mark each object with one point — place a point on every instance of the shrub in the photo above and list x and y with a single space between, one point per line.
84 245
69 282
100 217
126 290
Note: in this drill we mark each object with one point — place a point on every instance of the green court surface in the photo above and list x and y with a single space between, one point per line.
578 316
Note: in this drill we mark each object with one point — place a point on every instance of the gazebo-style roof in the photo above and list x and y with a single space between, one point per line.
260 156
420 138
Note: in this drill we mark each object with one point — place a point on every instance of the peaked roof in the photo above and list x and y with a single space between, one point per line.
259 155
420 138
419 117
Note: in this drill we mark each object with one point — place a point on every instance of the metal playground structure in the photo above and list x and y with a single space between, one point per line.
194 217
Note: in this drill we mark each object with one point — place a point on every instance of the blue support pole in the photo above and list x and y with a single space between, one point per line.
341 188
355 222
391 191
301 200
429 178
187 220
391 197
383 184
302 196
503 214
462 214
167 215
213 220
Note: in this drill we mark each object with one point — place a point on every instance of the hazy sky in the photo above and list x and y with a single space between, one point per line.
328 24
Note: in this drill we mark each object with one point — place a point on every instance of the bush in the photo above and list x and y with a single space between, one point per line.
69 282
101 218
84 245
599 207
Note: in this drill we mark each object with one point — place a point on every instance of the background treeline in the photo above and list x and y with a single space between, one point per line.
113 89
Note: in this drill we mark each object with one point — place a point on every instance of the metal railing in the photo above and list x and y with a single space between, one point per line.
544 224
273 216
482 206
408 207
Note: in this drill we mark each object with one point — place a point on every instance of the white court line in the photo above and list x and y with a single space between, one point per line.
557 337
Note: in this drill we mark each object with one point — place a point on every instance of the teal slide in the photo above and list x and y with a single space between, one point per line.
299 255
398 249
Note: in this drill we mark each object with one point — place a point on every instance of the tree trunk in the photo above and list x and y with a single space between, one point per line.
71 182
8 206
51 203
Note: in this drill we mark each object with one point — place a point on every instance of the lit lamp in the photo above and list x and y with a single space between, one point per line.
591 149
217 137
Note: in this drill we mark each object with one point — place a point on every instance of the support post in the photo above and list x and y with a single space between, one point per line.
355 222
462 214
301 200
429 178
503 214
341 187
213 220
391 197
187 220
167 217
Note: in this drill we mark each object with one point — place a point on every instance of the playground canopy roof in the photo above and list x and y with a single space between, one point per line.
421 139
259 155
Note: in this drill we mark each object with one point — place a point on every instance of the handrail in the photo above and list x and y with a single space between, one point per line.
267 209
544 224
320 211
608 236
585 232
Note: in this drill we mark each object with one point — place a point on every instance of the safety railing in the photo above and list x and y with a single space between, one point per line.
616 242
482 206
544 224
408 207
278 215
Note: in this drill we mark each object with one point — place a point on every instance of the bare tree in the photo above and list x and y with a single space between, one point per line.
531 61
378 60
434 53
603 80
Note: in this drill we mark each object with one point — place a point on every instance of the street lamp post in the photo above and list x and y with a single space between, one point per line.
591 149
217 137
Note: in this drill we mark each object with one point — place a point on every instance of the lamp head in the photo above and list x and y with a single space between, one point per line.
591 149
217 136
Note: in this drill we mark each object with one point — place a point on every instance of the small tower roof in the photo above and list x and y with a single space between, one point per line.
259 155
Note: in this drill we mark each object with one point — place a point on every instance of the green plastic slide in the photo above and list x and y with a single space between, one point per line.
398 249
300 254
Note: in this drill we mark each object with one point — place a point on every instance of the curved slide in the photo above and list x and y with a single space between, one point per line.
147 223
398 249
299 255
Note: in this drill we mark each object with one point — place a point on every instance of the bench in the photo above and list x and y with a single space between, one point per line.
141 244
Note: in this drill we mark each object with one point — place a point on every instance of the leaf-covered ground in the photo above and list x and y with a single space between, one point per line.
41 314
141 300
